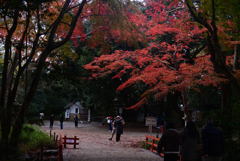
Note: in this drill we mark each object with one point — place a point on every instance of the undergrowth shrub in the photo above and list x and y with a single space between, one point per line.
145 146
32 138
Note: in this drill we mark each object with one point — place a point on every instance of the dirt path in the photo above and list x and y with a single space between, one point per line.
95 146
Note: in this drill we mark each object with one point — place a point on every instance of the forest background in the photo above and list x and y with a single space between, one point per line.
151 56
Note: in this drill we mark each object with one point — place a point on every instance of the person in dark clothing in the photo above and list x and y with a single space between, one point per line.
51 121
190 139
170 141
212 141
76 121
61 121
113 129
118 127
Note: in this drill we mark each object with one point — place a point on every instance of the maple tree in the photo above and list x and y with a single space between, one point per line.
105 37
175 59
216 42
94 94
30 31
221 22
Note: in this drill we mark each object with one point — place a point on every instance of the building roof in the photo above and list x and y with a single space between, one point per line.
73 103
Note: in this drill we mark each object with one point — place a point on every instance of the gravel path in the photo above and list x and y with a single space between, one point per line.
95 146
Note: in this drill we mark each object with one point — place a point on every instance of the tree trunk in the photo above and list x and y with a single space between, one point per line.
227 112
185 106
218 58
4 112
235 61
173 100
4 146
7 97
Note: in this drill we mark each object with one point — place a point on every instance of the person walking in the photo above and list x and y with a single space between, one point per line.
190 139
51 121
118 127
212 142
170 141
41 118
113 129
61 121
76 121
109 121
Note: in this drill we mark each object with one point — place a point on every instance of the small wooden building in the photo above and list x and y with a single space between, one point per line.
75 108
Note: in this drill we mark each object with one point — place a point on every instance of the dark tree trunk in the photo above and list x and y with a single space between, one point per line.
173 101
235 62
185 106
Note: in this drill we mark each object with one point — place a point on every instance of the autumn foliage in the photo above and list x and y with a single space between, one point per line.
163 65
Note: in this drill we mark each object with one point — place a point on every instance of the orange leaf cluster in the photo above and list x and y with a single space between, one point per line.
161 64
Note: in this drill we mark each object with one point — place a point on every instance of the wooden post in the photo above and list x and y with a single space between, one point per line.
41 152
64 142
152 145
180 158
146 142
75 139
38 156
56 140
151 130
60 149
50 133
54 136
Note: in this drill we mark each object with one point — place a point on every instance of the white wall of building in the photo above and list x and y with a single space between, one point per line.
73 109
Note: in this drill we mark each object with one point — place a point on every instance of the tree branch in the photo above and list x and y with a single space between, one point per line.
175 9
66 23
73 24
166 64
174 57
57 22
198 19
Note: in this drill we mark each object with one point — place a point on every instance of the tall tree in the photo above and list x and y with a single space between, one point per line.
209 16
30 30
173 60
221 22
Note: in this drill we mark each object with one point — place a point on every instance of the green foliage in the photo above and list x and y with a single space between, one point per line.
208 98
32 138
48 102
55 104
35 120
37 105
145 146
148 146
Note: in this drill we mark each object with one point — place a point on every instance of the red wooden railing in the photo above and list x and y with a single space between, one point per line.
60 149
72 141
154 145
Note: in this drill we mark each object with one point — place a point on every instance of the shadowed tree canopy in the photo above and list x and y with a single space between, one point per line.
221 25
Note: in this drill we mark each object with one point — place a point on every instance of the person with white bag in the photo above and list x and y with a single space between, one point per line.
109 121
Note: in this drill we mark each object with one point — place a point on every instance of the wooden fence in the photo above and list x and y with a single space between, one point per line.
60 156
150 140
72 141
59 143
63 141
